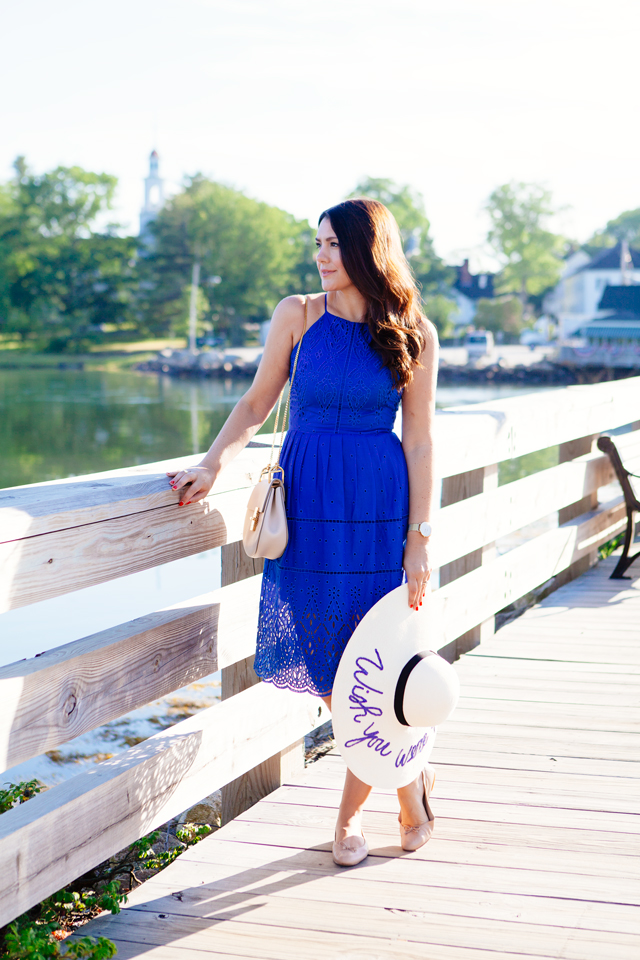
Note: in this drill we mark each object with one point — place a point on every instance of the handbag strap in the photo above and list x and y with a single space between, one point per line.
276 465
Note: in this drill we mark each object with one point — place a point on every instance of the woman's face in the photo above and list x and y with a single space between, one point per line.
328 259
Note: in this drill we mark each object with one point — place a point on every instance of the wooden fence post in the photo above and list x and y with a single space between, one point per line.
569 451
252 786
460 487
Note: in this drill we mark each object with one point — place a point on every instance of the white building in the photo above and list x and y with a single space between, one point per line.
575 299
153 195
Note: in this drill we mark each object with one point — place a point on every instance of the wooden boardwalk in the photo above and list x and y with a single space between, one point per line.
536 846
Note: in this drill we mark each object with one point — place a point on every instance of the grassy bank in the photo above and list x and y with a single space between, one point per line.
123 357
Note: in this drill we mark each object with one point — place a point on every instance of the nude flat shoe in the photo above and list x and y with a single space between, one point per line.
412 838
345 854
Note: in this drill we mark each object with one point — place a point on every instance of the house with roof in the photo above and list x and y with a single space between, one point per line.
576 299
612 338
468 288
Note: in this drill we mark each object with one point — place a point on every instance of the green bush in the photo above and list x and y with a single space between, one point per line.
607 548
35 935
27 941
18 793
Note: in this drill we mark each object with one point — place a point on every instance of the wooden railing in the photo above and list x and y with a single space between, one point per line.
61 536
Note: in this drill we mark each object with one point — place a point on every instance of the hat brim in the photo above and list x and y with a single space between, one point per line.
376 747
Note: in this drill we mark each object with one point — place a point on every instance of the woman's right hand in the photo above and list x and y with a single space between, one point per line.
195 482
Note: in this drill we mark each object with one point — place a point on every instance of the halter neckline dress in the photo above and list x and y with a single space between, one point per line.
347 497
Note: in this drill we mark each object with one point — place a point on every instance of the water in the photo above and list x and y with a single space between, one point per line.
56 424
62 423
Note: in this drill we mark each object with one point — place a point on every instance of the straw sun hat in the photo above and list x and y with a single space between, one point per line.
391 690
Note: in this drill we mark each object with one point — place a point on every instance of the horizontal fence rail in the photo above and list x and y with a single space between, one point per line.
58 537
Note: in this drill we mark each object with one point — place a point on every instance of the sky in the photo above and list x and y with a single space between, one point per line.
294 102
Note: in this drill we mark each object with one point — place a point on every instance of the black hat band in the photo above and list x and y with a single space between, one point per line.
407 670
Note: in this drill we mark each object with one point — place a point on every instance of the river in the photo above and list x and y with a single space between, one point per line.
61 423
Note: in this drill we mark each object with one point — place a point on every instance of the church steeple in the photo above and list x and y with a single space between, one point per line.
153 194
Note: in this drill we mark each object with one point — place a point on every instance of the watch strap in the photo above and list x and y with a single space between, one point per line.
416 527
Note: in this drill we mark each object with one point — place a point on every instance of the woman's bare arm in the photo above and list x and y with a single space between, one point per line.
418 414
253 408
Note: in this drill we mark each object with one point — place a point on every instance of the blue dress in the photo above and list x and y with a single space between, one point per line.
347 497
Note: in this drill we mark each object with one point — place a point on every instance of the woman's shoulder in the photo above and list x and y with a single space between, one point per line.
290 311
428 329
294 304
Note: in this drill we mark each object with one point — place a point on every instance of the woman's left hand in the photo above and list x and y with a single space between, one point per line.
417 567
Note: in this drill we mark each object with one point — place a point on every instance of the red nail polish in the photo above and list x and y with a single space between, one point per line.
181 504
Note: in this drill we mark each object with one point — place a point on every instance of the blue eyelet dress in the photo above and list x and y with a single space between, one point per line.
347 499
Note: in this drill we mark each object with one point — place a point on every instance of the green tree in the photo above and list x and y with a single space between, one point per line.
60 281
624 227
519 236
438 309
258 252
503 314
407 206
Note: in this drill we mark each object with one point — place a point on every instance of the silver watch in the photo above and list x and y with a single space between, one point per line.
423 528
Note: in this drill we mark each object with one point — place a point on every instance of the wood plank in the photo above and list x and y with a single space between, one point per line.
480 593
199 938
187 887
36 568
483 812
505 739
498 429
386 865
50 554
538 717
503 429
382 830
511 822
470 523
585 653
540 788
614 798
55 505
442 870
71 728
46 843
579 694
280 914
530 805
627 675
568 766
52 698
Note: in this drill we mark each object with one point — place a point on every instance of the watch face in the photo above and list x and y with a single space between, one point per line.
425 529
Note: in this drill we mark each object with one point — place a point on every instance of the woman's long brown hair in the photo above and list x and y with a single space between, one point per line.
373 257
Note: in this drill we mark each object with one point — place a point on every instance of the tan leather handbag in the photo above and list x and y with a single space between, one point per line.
265 531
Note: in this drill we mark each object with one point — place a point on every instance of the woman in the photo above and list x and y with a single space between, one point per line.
352 488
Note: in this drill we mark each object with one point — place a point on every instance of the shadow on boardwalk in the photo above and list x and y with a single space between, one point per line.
535 850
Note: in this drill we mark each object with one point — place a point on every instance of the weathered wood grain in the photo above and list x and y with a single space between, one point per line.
36 509
101 677
76 687
480 593
471 523
241 935
535 850
190 882
64 537
45 566
503 429
372 925
46 843
468 440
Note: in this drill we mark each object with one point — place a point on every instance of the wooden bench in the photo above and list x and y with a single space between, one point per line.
606 444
